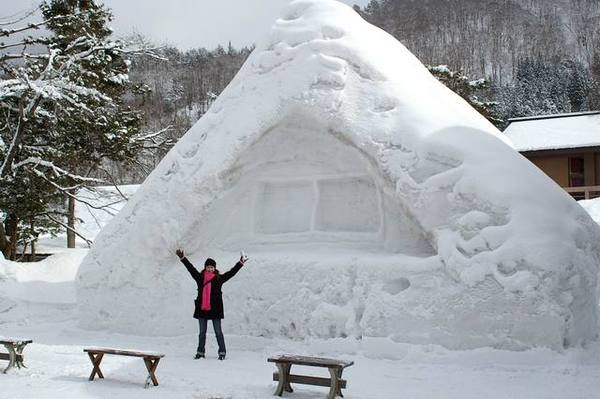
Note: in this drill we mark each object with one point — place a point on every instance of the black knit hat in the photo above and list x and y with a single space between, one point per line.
210 262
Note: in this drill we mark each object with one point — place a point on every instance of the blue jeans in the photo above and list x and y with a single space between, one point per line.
218 333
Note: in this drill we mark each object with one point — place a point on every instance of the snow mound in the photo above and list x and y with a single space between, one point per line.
592 207
372 200
47 281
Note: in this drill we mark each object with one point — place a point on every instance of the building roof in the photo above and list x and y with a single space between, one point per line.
552 132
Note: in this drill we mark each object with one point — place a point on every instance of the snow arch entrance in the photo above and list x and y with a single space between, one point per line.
301 185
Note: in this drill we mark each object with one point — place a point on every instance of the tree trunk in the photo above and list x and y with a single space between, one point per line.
13 233
4 244
71 221
23 253
33 242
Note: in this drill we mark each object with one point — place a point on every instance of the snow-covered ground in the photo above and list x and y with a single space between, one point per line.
37 302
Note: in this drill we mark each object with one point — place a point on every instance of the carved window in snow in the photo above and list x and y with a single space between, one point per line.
347 204
332 205
284 207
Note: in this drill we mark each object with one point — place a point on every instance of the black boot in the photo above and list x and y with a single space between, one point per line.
221 357
199 356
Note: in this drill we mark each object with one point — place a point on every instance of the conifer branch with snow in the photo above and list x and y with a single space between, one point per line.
63 113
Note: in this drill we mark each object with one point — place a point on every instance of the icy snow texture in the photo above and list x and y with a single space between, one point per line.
371 199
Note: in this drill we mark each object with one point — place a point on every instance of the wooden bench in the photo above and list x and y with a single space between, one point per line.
284 364
151 360
15 352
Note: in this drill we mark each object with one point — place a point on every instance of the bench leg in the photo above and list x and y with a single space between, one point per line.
96 364
284 379
19 355
335 388
340 371
287 387
151 365
12 357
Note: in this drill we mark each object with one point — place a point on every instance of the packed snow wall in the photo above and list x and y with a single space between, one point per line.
371 200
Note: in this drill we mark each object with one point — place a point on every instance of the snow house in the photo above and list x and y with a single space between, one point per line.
371 200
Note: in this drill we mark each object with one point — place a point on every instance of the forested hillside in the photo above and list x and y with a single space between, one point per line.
179 87
536 56
491 37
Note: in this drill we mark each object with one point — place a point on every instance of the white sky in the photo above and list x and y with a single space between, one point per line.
187 23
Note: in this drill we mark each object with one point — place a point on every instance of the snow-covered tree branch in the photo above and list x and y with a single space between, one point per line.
63 113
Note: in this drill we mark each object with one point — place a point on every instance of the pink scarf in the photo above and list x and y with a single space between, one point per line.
208 276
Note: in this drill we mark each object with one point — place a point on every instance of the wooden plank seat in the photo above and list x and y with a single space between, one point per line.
284 364
151 360
309 380
15 352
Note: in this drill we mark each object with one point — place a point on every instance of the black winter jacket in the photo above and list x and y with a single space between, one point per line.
216 295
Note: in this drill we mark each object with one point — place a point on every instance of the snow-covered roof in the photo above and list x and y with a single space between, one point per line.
553 132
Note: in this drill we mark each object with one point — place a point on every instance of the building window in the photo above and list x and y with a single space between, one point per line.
576 177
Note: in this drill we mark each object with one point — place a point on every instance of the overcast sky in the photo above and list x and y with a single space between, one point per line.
187 23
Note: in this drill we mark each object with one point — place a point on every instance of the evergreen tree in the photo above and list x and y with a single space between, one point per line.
64 115
594 89
595 67
98 127
546 87
470 90
578 86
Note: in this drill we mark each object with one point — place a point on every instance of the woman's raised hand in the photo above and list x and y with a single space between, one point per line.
180 253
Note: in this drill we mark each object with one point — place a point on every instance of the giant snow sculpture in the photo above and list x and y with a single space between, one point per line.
372 202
